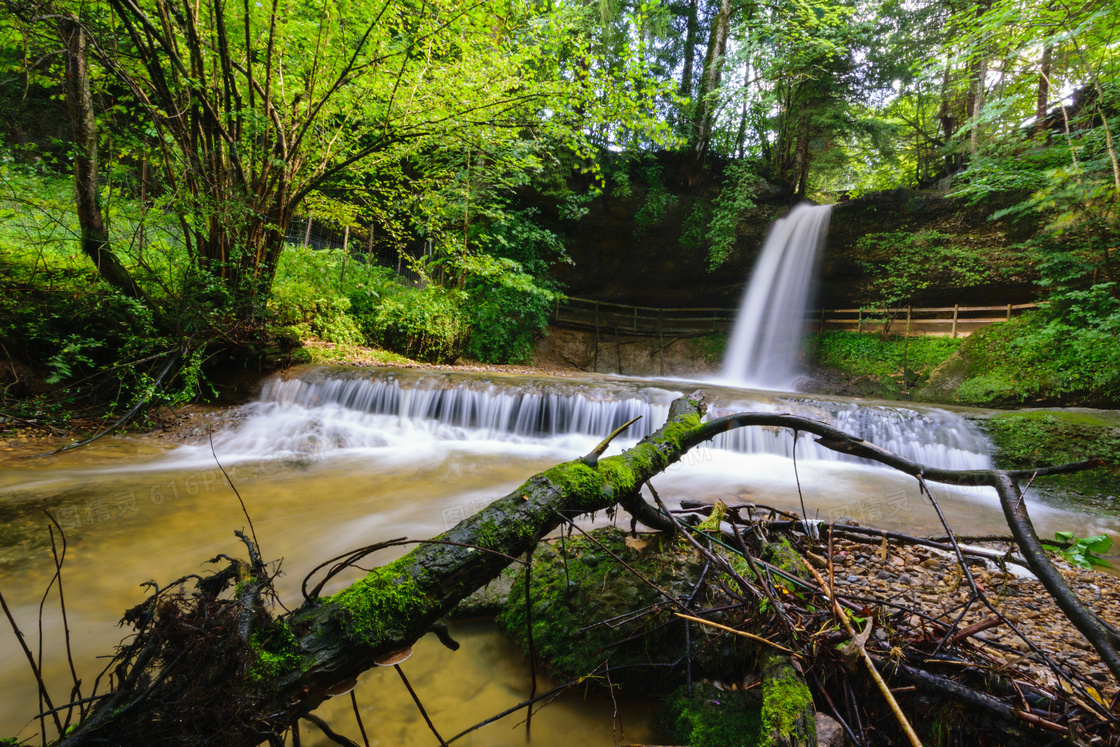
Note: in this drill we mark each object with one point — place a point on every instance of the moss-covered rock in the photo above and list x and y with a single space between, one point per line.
714 718
595 611
1046 437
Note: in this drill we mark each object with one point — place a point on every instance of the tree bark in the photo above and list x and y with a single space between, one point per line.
1043 101
79 101
704 116
274 671
685 89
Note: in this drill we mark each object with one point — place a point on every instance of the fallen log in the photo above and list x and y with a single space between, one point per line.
211 669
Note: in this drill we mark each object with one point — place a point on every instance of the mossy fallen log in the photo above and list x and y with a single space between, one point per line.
211 669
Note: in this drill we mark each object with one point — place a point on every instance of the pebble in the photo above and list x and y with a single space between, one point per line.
934 585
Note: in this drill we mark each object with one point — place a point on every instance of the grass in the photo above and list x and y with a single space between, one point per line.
357 355
856 354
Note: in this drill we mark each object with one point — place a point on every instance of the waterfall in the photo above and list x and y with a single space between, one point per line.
335 408
766 338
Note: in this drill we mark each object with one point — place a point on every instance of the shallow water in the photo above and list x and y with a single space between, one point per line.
321 477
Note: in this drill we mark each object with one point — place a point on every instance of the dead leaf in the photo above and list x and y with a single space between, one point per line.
852 652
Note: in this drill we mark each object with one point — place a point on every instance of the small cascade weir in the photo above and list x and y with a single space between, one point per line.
766 338
325 408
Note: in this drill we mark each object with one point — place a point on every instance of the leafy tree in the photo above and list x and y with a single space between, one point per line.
249 110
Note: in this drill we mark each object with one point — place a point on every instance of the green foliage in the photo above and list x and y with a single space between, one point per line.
510 291
993 174
903 263
1066 352
318 293
658 199
728 210
426 324
1082 551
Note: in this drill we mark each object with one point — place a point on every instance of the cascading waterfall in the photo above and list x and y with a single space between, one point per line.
321 410
764 343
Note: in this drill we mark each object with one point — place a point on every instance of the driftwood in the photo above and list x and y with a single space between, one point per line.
220 669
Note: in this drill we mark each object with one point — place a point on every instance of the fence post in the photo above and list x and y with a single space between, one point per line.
956 310
595 365
618 349
661 341
1009 312
859 322
307 235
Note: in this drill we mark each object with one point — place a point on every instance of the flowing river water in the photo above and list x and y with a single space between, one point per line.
332 458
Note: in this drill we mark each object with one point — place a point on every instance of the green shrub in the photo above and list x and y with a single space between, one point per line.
321 292
426 324
509 288
1068 352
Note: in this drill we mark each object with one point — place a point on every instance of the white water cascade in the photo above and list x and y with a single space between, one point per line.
764 343
328 409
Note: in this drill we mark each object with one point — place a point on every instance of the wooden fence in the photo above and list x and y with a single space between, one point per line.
616 318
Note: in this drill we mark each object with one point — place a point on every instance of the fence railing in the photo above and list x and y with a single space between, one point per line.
608 318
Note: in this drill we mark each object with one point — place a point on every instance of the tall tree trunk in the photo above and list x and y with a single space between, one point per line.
977 89
704 116
79 101
801 161
685 89
946 118
1043 102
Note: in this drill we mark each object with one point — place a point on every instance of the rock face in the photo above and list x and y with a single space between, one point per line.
645 242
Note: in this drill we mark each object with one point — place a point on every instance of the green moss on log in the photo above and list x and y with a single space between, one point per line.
382 596
277 650
787 706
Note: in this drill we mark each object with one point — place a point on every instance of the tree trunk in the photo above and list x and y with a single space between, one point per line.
79 101
204 669
685 89
703 119
977 90
1043 102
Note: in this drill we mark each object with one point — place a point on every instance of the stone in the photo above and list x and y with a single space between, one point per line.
829 731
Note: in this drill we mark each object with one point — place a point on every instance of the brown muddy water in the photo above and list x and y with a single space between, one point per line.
331 459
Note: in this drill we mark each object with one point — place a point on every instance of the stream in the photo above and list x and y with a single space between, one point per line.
331 458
